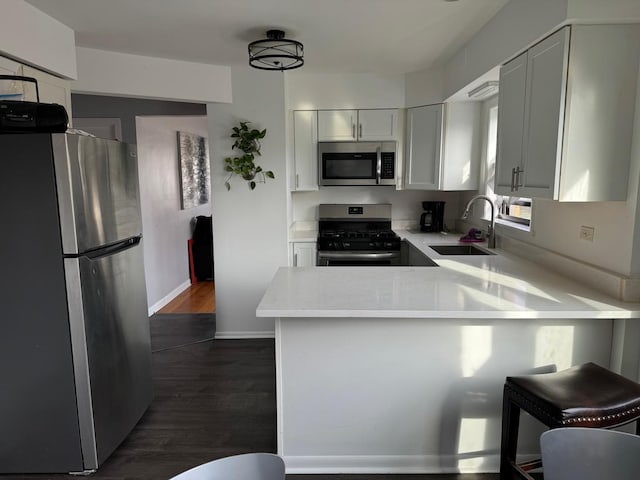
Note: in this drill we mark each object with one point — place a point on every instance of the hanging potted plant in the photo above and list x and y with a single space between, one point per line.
248 141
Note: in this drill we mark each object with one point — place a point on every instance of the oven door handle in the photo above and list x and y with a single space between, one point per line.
378 165
358 256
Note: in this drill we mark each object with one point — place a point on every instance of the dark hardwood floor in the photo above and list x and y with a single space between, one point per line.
212 399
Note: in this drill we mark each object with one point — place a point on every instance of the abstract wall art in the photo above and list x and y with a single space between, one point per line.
193 152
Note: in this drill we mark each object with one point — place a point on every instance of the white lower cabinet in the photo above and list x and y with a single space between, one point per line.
443 147
303 254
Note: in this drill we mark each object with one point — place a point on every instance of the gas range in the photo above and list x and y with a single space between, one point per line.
358 240
356 234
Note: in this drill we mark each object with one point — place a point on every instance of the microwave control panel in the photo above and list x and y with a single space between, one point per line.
388 165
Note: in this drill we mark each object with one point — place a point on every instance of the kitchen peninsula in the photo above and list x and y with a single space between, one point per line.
400 369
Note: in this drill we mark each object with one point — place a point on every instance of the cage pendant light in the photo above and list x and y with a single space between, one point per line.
276 52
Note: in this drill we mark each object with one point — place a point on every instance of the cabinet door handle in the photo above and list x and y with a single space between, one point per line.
513 179
297 181
360 130
295 259
353 130
518 172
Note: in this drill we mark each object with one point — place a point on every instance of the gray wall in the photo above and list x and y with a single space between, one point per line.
98 106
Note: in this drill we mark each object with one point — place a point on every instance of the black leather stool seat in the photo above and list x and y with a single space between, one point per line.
582 396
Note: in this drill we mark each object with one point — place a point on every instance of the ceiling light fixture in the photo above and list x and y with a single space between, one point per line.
276 52
485 90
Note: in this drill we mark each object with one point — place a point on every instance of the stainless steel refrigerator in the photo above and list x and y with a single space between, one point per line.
75 357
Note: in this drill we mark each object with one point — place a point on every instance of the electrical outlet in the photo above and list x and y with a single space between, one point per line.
586 233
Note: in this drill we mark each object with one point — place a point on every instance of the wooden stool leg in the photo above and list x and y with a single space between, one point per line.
509 444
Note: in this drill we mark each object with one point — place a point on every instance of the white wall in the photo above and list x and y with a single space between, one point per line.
120 74
32 37
609 11
308 91
406 204
250 228
424 88
165 227
518 24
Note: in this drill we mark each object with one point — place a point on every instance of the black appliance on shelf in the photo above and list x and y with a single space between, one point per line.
17 116
356 235
432 219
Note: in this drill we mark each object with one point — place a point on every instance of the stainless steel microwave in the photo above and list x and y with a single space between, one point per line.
357 163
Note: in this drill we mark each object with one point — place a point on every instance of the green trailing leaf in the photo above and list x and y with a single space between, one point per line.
248 141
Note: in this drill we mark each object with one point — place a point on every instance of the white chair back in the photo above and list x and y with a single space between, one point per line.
249 466
590 454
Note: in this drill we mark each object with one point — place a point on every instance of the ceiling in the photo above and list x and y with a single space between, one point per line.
347 36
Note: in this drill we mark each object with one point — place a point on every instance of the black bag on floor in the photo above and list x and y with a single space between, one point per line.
203 248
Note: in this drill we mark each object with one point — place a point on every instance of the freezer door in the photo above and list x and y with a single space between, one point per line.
111 347
98 193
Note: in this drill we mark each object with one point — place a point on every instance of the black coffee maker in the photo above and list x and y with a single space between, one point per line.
432 219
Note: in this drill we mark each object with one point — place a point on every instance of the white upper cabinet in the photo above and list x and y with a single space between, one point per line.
305 150
513 77
377 125
424 140
443 147
9 87
10 67
337 125
563 131
52 89
352 125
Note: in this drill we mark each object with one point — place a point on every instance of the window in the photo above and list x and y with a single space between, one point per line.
510 210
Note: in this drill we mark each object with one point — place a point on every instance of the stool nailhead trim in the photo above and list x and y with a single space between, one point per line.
635 411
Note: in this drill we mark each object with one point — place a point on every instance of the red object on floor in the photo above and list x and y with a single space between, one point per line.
192 271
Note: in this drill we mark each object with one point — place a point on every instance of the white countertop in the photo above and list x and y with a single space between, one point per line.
491 286
303 236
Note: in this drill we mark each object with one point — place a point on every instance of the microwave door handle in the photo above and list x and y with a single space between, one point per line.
378 165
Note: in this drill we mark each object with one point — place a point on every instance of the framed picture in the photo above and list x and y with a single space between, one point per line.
193 152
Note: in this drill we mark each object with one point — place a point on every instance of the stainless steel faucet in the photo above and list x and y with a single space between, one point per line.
491 234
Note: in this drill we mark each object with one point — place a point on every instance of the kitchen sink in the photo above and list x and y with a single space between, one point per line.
459 250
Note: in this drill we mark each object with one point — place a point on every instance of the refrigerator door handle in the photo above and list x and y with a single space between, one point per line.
109 249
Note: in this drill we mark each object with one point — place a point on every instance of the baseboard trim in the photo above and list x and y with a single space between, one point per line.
168 297
393 464
241 335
